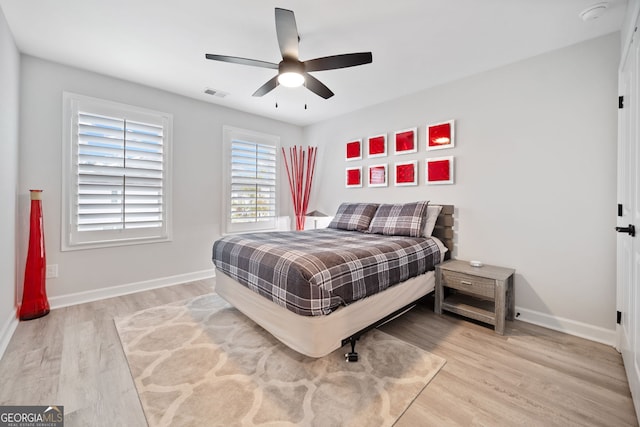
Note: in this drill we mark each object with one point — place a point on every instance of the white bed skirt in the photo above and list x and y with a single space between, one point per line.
317 336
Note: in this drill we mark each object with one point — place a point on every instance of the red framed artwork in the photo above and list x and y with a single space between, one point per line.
441 135
405 141
406 173
354 150
378 175
439 170
377 146
353 177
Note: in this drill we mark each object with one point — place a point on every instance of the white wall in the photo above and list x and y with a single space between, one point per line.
535 187
197 139
9 105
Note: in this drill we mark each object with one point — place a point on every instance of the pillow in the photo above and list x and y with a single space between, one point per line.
432 216
406 219
354 216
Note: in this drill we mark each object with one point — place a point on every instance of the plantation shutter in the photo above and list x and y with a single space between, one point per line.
120 165
253 182
117 183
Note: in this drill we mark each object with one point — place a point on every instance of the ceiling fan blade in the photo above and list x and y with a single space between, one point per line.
338 61
267 87
317 87
243 61
287 33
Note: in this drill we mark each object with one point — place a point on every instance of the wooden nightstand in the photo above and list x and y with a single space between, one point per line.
481 293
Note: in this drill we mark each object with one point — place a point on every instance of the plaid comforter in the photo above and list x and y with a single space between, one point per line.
313 272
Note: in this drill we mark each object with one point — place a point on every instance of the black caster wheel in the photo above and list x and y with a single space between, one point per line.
351 357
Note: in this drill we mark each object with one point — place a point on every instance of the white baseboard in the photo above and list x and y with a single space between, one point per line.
8 328
571 327
130 288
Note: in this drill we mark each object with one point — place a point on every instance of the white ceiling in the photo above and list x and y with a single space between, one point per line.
416 44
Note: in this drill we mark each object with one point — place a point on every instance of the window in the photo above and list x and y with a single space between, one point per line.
251 184
116 180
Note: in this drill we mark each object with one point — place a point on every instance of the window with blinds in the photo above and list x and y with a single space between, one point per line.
120 173
251 180
118 186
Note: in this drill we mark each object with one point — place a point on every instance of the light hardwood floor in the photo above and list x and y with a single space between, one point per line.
529 376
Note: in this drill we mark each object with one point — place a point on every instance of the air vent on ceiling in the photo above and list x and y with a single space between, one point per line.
215 92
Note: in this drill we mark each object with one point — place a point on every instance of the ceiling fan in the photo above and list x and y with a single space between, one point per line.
291 71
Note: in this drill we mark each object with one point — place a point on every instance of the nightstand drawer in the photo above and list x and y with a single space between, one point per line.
469 283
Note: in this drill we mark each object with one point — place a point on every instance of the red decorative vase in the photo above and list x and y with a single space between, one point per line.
34 295
300 176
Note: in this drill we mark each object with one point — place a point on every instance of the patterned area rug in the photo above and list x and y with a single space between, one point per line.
201 362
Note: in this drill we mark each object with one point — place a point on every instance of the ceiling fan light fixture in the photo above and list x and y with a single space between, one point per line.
291 79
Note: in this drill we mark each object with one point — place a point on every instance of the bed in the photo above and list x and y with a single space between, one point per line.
318 290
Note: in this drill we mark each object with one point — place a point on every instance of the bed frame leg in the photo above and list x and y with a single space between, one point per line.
353 355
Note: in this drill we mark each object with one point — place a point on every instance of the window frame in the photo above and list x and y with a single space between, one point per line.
230 134
73 239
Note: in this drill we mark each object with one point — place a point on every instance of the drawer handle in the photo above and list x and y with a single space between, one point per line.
464 282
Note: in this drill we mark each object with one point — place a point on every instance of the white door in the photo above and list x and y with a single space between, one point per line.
628 246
